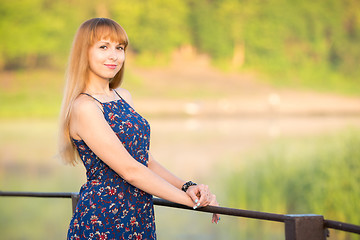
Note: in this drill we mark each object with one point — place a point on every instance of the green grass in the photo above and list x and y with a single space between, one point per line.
30 94
318 78
38 93
319 175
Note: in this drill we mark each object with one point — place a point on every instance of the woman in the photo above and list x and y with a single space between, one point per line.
99 125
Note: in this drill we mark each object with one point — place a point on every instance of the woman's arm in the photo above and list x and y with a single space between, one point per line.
200 194
88 123
164 173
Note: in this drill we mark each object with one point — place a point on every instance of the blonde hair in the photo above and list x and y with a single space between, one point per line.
88 33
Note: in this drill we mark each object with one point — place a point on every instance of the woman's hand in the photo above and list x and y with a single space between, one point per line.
202 197
215 217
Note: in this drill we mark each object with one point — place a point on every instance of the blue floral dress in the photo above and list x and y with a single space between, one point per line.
109 207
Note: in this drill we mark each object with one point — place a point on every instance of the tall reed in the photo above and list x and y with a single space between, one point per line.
319 175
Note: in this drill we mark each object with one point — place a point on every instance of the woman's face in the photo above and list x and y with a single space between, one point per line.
106 59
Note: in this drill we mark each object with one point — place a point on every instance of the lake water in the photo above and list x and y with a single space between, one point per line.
202 149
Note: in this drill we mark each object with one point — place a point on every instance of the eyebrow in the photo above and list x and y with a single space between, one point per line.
106 42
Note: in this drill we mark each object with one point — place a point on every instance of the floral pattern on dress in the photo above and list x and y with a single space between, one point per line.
109 207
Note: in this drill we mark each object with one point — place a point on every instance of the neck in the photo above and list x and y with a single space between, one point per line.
98 86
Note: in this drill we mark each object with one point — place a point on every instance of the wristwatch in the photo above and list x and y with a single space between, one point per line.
187 185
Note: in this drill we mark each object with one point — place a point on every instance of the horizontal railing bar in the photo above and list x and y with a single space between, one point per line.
38 194
226 211
342 226
162 202
210 209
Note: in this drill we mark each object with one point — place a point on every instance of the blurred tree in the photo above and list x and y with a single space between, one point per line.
211 27
307 39
29 32
153 26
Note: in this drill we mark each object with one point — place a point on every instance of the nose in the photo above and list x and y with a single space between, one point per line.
113 55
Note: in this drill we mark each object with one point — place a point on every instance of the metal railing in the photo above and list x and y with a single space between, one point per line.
297 227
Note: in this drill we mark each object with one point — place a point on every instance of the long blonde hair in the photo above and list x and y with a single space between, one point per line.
88 33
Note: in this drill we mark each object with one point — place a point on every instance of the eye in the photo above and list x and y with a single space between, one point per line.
120 48
103 47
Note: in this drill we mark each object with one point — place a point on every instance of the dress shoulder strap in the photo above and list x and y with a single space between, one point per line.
99 106
118 94
91 97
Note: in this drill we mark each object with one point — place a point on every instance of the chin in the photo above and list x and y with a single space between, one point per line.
109 77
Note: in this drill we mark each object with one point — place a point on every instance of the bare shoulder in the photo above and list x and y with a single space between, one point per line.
126 95
84 105
83 111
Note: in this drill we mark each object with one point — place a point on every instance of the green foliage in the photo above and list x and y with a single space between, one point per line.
209 23
31 32
288 40
153 26
317 175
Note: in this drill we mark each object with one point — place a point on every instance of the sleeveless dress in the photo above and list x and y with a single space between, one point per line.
109 207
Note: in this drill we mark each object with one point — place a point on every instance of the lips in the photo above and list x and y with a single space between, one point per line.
111 66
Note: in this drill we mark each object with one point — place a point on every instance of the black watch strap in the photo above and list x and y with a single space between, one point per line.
187 185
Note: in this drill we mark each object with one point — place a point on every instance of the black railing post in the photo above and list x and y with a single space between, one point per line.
74 200
305 227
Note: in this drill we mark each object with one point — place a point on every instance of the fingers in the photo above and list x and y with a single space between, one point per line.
202 197
205 195
215 217
193 192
